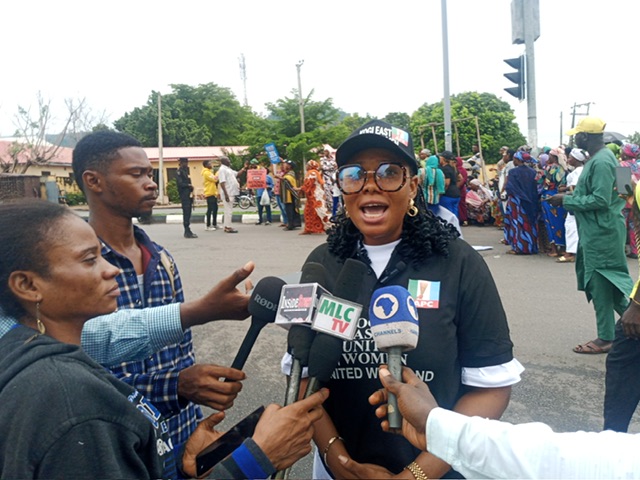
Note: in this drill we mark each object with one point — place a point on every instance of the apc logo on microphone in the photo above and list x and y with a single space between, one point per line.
264 302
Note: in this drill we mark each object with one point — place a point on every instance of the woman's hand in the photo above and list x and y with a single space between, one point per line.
363 470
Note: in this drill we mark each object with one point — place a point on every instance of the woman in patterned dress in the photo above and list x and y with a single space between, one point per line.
522 207
316 219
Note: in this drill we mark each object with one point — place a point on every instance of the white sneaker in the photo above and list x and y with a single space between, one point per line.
210 229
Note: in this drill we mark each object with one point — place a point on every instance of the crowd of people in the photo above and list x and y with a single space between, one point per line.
119 393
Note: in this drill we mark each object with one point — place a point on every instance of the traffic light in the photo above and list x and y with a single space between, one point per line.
516 77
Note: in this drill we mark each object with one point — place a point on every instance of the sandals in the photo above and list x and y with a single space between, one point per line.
592 348
230 230
564 259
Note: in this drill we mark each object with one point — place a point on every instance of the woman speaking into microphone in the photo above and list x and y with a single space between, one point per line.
464 351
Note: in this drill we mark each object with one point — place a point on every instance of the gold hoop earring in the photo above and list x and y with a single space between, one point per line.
41 328
412 211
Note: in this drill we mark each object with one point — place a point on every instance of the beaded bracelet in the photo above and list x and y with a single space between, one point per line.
326 449
416 471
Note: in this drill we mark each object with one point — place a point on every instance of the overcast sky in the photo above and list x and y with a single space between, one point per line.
370 56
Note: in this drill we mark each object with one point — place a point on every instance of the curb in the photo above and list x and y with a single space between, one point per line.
244 218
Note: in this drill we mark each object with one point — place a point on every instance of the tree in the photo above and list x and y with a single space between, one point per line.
32 147
191 116
495 117
398 119
635 138
323 124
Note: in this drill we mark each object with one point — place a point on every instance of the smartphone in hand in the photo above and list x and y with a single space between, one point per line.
624 185
227 443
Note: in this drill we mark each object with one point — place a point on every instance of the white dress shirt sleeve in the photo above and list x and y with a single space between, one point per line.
482 448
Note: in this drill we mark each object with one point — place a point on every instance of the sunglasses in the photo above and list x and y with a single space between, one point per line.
389 177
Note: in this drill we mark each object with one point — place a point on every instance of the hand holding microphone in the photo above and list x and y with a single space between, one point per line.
394 325
415 403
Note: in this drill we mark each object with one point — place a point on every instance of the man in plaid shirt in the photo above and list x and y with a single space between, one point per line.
116 176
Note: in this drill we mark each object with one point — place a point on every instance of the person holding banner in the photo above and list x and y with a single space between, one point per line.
263 193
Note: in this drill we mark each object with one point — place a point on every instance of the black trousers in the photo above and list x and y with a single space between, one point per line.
187 206
212 209
293 216
622 381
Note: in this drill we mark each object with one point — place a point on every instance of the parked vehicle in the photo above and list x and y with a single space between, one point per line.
246 200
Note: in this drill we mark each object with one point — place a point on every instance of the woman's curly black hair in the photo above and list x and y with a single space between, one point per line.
422 236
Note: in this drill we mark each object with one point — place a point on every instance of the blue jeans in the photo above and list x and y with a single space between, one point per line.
260 208
283 213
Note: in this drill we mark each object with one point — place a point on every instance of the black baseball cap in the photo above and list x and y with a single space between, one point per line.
378 134
446 154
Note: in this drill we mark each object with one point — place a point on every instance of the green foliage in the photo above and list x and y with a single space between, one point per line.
74 198
172 191
635 138
398 119
191 116
211 115
495 118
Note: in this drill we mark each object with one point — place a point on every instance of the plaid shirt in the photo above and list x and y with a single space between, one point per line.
156 377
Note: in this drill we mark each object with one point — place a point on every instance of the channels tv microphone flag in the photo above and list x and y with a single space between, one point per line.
394 325
301 336
263 306
326 349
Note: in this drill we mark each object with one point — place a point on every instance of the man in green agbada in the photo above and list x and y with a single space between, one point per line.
601 265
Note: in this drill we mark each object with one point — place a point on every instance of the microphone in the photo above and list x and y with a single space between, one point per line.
300 335
400 267
298 301
394 325
263 306
326 349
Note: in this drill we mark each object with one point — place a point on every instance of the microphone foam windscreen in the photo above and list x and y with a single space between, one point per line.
393 318
325 353
349 280
263 303
314 272
299 340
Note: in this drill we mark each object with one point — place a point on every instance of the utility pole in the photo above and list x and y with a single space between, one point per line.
560 143
160 156
445 70
301 105
573 116
531 27
243 77
525 29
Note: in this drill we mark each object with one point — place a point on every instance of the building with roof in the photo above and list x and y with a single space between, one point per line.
60 171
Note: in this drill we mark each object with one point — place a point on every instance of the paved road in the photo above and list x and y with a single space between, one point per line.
547 317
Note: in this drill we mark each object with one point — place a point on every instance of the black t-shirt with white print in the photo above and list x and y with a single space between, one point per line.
462 324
